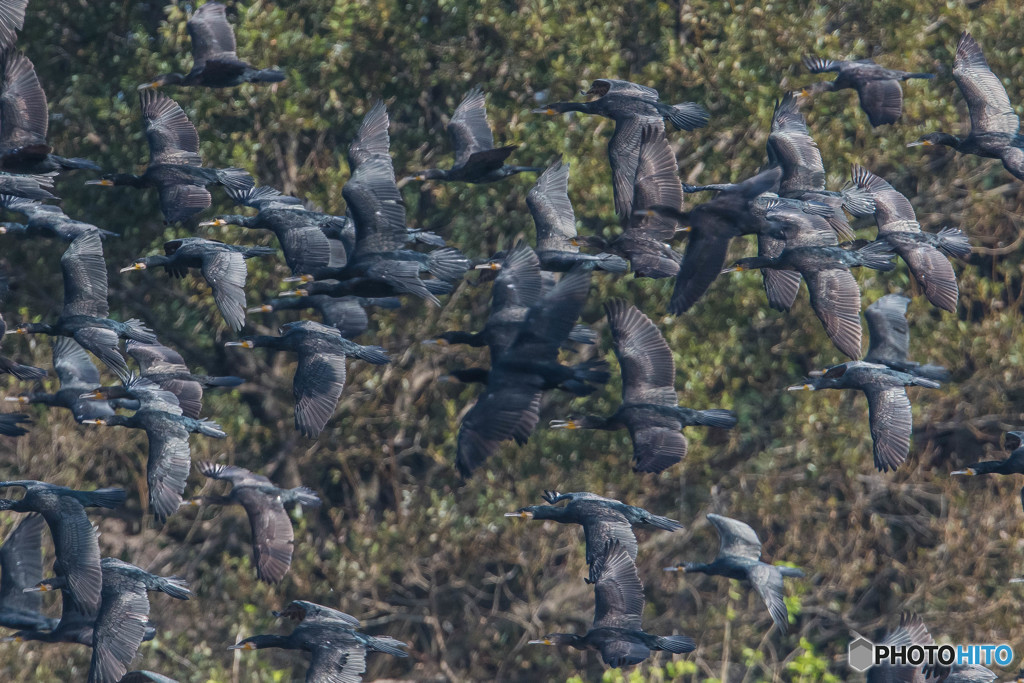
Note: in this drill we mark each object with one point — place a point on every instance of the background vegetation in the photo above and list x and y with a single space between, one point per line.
401 541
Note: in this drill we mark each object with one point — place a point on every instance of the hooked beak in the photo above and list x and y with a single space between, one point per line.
562 424
98 421
542 641
1017 580
16 399
38 588
677 568
216 222
544 110
733 269
802 387
969 472
295 292
192 502
12 639
152 84
265 308
299 278
247 344
134 266
919 143
489 266
242 646
521 514
92 394
104 182
437 342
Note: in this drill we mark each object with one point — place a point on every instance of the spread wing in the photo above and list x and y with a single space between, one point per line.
624 156
468 127
767 581
881 100
603 86
167 468
171 136
891 425
23 115
85 277
238 476
12 18
605 526
618 592
155 358
119 630
74 368
991 111
272 535
502 413
933 272
656 448
737 538
791 146
889 334
21 565
319 380
337 663
835 298
648 370
552 212
212 37
225 272
656 183
78 553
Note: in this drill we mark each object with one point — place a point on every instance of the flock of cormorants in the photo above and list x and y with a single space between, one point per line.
370 258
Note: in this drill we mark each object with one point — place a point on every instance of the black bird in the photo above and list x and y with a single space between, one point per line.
77 375
995 128
11 424
926 254
21 567
338 650
215 63
834 293
889 408
1011 465
222 265
12 18
36 186
75 624
122 621
509 407
712 227
879 90
166 368
889 338
346 313
644 235
175 167
7 365
739 557
476 158
320 374
46 220
650 408
911 631
167 430
603 520
24 121
84 316
74 540
365 287
791 146
633 107
557 246
617 632
272 534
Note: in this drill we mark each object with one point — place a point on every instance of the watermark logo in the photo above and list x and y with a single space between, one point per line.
863 654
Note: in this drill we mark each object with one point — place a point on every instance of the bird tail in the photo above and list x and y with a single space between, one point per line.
25 372
76 163
918 74
676 644
876 255
953 242
858 200
137 330
449 264
228 381
685 116
267 76
581 334
373 354
610 263
102 498
925 382
716 417
258 251
387 645
936 373
174 586
306 497
207 428
659 522
790 571
235 179
586 375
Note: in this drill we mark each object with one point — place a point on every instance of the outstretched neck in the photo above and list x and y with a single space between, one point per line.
563 107
261 642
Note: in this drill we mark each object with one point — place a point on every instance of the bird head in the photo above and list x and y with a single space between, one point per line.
521 513
216 223
137 265
22 398
244 344
563 424
265 308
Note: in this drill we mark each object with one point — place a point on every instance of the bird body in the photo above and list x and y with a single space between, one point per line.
889 338
879 90
1011 465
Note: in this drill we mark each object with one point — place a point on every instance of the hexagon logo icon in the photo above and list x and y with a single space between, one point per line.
861 654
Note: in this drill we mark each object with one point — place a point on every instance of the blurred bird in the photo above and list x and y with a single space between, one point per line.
879 90
1011 465
889 338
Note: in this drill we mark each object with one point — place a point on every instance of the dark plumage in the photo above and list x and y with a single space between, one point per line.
1011 465
74 540
509 407
272 535
338 650
889 408
24 120
603 520
12 18
84 316
122 621
476 159
834 293
995 127
167 431
320 375
21 567
146 677
28 186
879 90
175 167
911 631
617 632
214 61
7 365
650 408
47 220
222 265
645 233
77 375
11 424
347 313
633 107
739 557
889 338
924 253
